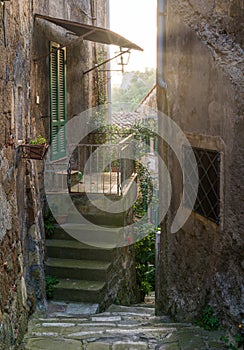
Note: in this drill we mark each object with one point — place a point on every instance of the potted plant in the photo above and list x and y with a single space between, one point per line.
36 148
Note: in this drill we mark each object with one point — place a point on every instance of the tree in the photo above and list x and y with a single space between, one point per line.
135 85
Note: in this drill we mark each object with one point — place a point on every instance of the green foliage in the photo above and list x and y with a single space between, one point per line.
40 140
207 320
100 80
51 281
102 131
134 87
235 343
145 190
49 224
145 263
142 132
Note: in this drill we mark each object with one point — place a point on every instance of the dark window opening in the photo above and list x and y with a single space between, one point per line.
207 202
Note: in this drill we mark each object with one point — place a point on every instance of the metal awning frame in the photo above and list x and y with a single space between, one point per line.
91 32
80 38
106 61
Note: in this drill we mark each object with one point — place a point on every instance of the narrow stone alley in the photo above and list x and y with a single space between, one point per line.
78 327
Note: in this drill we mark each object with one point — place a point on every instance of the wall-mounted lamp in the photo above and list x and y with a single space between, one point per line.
123 59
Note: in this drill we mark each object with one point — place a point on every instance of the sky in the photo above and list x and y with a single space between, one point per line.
136 21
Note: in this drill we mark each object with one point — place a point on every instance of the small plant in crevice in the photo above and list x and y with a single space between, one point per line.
49 224
145 263
51 281
234 342
207 320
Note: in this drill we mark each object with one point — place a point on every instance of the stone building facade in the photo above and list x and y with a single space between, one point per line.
200 88
24 114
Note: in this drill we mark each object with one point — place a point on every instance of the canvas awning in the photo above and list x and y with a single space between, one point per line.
92 33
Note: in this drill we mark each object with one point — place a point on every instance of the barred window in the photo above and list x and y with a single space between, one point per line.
208 196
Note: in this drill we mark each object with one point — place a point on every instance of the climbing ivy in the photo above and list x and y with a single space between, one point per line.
145 190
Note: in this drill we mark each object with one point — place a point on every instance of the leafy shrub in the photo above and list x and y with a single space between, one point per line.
40 140
207 319
145 190
49 224
145 263
51 281
233 342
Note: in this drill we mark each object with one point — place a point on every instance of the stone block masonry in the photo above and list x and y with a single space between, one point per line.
22 282
21 254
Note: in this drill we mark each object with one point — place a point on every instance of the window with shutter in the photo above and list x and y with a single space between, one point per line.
58 100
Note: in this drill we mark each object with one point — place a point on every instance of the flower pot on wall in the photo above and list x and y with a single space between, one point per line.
36 152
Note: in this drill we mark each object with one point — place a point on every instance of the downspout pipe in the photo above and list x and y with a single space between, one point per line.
161 40
161 275
109 68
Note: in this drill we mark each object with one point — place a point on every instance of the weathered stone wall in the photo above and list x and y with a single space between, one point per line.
21 272
81 55
22 40
203 263
122 287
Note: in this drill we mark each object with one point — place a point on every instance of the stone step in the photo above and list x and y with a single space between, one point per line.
72 249
78 269
76 290
93 235
61 234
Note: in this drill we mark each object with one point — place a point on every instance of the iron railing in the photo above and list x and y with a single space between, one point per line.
96 168
102 168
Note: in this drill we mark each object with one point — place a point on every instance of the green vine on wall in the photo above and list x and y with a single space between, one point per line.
101 81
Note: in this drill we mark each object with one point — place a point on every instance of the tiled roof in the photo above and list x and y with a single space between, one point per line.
147 107
125 119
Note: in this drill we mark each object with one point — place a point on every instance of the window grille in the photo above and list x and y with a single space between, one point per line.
207 202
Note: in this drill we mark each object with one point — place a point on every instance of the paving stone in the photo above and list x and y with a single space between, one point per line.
169 346
53 324
120 328
106 319
81 309
53 344
214 345
97 346
129 346
85 334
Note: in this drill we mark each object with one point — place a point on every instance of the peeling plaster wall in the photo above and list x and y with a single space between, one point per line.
203 262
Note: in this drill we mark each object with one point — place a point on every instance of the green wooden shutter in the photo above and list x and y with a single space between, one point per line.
58 101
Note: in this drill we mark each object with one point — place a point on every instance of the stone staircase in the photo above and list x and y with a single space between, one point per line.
83 271
92 264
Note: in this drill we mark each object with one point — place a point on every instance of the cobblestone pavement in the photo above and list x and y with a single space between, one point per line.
119 328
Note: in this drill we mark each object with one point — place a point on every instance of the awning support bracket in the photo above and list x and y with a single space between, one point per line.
106 61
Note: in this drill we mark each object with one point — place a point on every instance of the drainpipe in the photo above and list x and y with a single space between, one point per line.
161 13
162 268
109 66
